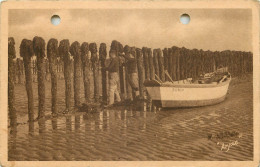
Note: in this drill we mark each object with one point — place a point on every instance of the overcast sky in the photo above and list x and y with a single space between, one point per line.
210 29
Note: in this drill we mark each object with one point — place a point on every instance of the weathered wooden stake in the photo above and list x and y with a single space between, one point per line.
129 95
47 69
171 63
95 67
166 60
86 65
182 63
161 64
174 60
26 52
121 72
39 50
52 54
146 63
19 71
140 64
75 52
151 66
155 62
102 57
65 56
11 74
178 64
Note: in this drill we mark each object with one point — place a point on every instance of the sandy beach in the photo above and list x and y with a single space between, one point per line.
128 133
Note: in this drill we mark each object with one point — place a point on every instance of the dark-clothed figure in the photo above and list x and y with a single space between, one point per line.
113 78
132 71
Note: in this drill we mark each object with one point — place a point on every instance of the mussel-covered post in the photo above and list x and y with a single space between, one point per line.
86 70
165 61
47 69
65 56
39 50
129 95
52 54
174 60
177 63
194 64
182 63
146 63
26 52
171 63
121 71
102 57
151 69
161 64
19 69
11 67
140 69
95 67
155 62
75 52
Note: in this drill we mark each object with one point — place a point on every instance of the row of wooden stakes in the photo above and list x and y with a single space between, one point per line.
181 63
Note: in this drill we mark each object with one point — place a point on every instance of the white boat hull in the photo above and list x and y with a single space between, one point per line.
189 95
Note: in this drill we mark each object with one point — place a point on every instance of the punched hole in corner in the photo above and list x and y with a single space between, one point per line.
185 18
55 20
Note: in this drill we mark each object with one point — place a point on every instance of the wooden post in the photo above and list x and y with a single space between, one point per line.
173 62
155 62
202 69
52 54
188 69
102 57
86 65
194 64
47 69
146 63
26 52
182 63
140 64
177 64
166 62
15 70
75 52
133 52
21 66
250 62
151 69
161 64
243 63
95 67
11 74
65 56
185 61
129 95
19 70
39 50
121 72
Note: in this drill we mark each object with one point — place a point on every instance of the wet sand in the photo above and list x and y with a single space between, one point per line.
138 134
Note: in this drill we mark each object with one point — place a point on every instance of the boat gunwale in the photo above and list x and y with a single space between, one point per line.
195 85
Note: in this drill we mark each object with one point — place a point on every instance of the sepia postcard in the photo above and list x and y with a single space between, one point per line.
129 83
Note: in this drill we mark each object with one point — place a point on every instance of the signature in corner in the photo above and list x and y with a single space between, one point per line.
226 146
225 134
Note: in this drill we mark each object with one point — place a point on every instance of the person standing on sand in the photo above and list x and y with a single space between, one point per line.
113 70
132 71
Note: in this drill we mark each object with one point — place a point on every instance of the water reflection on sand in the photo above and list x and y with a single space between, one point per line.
143 132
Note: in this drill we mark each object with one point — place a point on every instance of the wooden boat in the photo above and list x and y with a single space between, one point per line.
200 93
